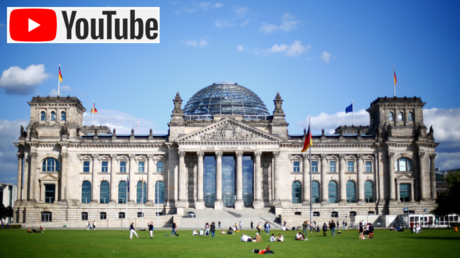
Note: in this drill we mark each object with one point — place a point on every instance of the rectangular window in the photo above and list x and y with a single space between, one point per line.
332 163
121 215
351 166
368 166
296 166
84 216
103 215
404 192
314 166
50 193
105 166
141 166
47 217
140 214
123 166
160 166
85 166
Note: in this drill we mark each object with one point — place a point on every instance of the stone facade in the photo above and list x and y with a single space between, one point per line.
388 161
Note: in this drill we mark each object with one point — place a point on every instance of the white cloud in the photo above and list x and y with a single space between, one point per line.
217 5
325 56
295 49
222 23
200 6
15 80
8 159
242 11
330 122
241 48
287 24
64 88
121 121
446 127
195 43
246 22
447 161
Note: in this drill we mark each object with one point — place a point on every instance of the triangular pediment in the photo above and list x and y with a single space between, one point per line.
228 130
404 178
49 177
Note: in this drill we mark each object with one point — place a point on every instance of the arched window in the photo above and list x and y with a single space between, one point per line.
86 192
50 165
352 213
159 192
391 117
403 164
296 192
315 192
351 191
43 116
400 116
141 192
63 116
411 117
334 214
53 116
369 191
332 187
122 192
105 192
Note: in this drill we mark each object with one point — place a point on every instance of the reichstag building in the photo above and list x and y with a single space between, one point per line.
224 149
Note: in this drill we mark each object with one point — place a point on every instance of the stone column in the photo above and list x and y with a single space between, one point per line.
424 192
218 204
433 176
34 191
398 198
64 176
324 182
26 190
306 180
412 186
94 183
342 183
182 177
239 203
258 202
150 179
200 200
20 161
360 177
391 169
132 179
276 155
113 183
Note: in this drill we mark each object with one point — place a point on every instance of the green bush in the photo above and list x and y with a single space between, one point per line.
13 226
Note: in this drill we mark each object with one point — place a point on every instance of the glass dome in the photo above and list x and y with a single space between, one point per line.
225 98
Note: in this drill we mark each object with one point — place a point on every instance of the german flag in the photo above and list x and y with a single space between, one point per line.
60 75
308 140
394 75
94 110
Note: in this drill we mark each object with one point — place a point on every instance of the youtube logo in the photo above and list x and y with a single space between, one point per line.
33 25
83 25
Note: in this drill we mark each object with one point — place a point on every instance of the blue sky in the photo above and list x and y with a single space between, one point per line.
320 56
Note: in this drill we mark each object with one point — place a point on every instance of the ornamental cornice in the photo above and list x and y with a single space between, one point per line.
118 146
332 146
233 143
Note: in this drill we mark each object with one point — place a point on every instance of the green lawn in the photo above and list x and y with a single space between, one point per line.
116 243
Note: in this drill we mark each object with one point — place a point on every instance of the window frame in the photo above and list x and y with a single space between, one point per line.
83 214
140 214
319 192
88 167
46 214
352 167
120 215
351 199
63 116
366 191
125 192
314 167
333 168
53 116
83 187
400 117
391 116
53 197
411 117
123 166
50 164
370 166
160 168
103 215
104 199
408 165
296 192
329 196
104 166
296 166
141 166
334 214
159 192
42 116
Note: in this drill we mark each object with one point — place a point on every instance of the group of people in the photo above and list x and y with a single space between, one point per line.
90 226
366 230
31 230
132 230
246 238
415 227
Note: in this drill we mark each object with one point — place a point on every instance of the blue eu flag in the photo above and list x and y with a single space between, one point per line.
349 109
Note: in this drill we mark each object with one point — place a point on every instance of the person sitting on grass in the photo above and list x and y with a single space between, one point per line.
455 229
263 251
195 233
41 228
299 236
258 237
201 232
280 238
245 238
29 230
230 232
272 238
222 232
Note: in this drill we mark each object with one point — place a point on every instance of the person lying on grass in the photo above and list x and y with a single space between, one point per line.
263 251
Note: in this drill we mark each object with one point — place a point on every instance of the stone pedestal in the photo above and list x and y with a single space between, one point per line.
324 203
199 205
306 203
239 205
258 204
361 202
218 205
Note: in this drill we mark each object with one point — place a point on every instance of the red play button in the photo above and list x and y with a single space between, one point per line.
33 25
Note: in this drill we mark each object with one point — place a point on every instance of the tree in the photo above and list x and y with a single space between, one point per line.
6 212
449 202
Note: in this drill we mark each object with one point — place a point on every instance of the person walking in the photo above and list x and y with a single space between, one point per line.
252 226
333 228
89 225
412 227
132 231
219 223
213 229
258 228
361 231
206 229
324 229
241 225
151 229
305 229
267 228
173 226
94 225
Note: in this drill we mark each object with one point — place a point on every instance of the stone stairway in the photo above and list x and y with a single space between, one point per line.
229 217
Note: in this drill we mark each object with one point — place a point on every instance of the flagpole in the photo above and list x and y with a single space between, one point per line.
92 114
59 80
394 84
352 113
158 200
126 199
311 201
142 201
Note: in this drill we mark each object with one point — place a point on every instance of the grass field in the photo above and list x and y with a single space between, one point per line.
116 243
